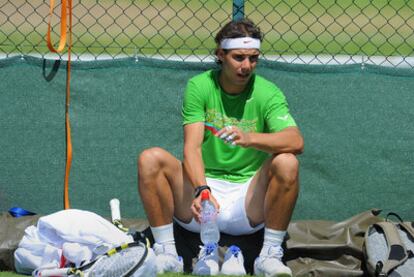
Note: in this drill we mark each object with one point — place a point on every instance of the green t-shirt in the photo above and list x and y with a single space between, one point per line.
261 108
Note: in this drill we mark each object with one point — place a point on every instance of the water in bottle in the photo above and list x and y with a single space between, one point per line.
209 230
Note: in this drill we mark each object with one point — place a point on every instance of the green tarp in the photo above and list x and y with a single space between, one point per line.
313 247
356 121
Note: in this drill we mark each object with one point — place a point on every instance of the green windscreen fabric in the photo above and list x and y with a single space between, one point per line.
356 121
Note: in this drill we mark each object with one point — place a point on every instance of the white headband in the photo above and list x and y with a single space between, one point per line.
235 43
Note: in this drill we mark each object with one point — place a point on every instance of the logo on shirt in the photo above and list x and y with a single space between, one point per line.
219 120
284 118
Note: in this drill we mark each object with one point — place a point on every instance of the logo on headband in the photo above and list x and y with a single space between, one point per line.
244 42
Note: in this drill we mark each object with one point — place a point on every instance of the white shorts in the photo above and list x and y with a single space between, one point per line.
232 218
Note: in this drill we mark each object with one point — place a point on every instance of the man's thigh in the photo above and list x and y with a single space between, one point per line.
256 193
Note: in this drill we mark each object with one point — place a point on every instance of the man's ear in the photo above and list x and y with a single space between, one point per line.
220 54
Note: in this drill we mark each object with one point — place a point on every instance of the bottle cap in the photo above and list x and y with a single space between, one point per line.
205 195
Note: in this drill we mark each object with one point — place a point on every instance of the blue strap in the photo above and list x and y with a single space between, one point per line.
19 212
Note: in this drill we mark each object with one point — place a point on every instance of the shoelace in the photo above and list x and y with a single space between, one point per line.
161 249
275 252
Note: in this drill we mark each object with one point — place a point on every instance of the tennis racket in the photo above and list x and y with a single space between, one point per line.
116 220
121 261
116 215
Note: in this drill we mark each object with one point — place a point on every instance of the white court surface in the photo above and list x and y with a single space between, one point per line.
391 61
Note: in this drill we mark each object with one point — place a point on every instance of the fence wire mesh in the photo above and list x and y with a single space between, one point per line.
307 31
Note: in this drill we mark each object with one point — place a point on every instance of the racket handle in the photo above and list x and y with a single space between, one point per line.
51 272
115 210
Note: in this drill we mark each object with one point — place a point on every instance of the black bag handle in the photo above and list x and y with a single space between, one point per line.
395 215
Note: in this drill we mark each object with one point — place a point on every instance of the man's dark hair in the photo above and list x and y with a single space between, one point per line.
238 29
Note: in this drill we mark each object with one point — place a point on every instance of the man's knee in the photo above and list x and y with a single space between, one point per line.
285 167
150 159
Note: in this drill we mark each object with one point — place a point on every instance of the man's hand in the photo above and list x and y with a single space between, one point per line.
196 206
288 140
234 136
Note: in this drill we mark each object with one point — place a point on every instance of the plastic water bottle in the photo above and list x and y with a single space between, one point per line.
209 230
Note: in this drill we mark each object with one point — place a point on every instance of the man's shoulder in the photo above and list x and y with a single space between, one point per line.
206 76
263 82
263 85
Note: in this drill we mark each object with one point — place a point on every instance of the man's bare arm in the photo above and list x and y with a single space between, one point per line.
289 140
193 163
193 160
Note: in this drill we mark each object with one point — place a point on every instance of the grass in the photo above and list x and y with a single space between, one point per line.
9 274
12 274
290 27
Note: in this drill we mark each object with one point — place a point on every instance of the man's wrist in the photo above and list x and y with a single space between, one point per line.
199 189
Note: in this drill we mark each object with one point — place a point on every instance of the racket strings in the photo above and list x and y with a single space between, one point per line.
118 264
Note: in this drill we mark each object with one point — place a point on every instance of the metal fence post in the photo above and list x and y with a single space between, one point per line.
238 9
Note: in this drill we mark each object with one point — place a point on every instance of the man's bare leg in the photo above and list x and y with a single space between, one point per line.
162 188
164 193
271 199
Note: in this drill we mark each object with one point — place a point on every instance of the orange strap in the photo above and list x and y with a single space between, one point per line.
62 42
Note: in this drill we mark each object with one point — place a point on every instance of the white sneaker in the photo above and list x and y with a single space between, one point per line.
271 265
166 261
207 263
233 262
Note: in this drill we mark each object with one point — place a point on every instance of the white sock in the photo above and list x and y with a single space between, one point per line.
272 238
165 235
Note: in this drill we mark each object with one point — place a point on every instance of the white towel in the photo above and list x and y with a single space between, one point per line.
81 227
32 253
79 235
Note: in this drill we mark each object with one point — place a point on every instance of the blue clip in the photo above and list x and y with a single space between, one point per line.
19 212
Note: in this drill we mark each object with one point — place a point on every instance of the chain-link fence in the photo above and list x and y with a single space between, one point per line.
307 31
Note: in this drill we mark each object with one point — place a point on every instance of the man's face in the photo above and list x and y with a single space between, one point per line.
238 66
